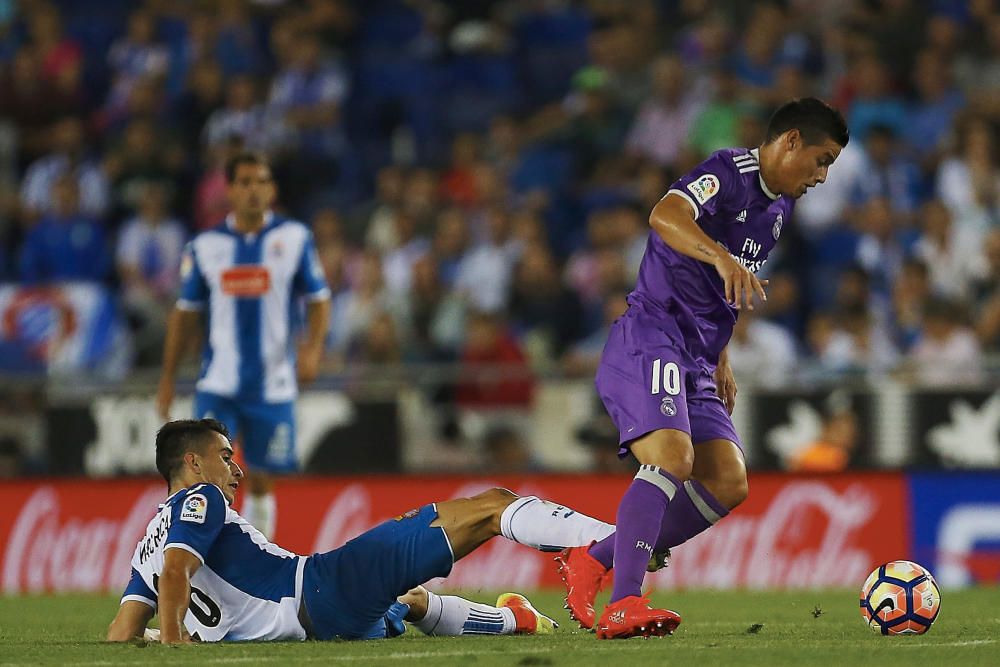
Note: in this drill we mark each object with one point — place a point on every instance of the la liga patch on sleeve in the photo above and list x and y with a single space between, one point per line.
195 508
704 187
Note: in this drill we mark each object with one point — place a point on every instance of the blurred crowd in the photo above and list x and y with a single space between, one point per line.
478 174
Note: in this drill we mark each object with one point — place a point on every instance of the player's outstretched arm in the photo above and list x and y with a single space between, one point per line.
179 565
130 621
181 325
673 221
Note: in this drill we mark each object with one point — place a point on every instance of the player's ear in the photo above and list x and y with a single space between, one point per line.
793 139
193 461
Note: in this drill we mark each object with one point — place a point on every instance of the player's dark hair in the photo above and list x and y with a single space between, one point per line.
176 438
234 162
815 120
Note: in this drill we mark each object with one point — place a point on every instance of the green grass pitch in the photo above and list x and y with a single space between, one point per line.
719 628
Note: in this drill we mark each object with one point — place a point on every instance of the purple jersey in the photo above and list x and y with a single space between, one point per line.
734 208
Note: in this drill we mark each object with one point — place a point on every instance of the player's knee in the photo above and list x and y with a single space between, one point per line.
669 450
490 506
733 492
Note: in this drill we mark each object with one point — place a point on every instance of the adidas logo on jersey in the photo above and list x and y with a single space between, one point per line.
742 217
746 163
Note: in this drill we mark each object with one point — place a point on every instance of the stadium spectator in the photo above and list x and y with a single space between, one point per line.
910 294
947 352
143 155
485 271
883 243
761 352
68 155
717 125
353 310
662 126
66 243
952 254
546 315
397 266
136 56
887 172
968 182
938 102
61 57
874 102
373 221
495 365
245 116
434 316
148 258
307 95
33 104
202 94
448 245
987 296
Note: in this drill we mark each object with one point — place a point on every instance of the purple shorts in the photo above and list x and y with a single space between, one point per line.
648 382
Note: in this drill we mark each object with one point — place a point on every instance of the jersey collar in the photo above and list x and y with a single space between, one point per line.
231 223
763 186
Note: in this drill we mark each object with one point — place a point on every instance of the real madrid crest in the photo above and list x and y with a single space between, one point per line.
776 230
667 406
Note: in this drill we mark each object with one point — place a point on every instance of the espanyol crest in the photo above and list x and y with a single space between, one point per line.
776 230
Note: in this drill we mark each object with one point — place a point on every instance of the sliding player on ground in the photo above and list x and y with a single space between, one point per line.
211 576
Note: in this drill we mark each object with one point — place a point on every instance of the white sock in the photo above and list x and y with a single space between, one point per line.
546 526
451 616
261 512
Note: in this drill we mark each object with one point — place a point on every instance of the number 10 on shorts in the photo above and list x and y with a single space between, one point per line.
670 375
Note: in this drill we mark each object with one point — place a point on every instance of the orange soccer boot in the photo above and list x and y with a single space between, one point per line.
632 617
584 577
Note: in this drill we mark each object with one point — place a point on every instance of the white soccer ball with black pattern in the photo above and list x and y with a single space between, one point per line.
900 598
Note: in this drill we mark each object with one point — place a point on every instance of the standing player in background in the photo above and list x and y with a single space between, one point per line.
247 275
664 377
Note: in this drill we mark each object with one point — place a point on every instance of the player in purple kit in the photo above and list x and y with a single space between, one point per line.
664 377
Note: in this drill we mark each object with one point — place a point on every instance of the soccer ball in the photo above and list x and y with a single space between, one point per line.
900 598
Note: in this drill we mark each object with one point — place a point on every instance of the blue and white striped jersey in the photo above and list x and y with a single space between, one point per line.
249 283
246 589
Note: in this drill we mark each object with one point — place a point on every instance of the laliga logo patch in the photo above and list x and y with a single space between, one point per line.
667 406
408 515
704 188
195 508
776 230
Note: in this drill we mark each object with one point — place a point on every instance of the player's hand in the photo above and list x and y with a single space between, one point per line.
725 385
740 283
164 398
308 363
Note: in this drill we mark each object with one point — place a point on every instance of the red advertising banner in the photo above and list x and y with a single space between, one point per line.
793 532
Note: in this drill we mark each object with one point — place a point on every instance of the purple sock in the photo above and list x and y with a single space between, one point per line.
682 521
640 516
604 551
693 510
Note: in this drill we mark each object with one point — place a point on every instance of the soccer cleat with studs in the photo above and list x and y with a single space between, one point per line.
583 575
529 620
632 617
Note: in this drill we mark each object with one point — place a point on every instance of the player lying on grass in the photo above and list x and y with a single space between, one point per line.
212 576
